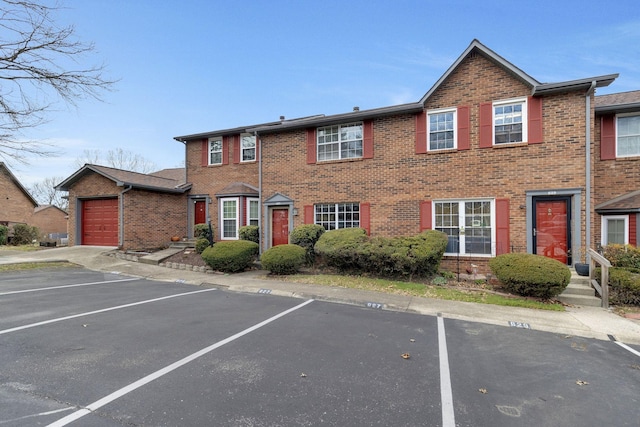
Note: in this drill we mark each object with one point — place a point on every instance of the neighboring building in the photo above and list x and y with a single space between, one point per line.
112 207
490 156
16 203
19 207
617 168
51 222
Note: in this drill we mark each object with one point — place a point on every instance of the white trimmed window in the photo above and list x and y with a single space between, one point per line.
333 216
468 224
253 211
229 216
510 121
615 229
340 142
247 147
442 129
628 135
215 151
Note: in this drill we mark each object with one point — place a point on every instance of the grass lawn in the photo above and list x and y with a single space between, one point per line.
477 291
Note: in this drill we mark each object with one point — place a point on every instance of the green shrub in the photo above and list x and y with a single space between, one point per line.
4 231
627 256
418 255
351 250
531 275
624 286
307 236
283 259
24 234
201 244
202 231
339 248
250 233
231 256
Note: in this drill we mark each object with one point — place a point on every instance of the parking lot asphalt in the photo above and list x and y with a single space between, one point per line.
588 322
99 348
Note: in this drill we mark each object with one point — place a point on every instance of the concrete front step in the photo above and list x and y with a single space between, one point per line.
579 292
581 300
157 257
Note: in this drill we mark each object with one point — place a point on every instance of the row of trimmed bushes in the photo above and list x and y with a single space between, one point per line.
347 250
351 250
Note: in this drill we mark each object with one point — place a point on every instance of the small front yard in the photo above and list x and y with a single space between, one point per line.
468 291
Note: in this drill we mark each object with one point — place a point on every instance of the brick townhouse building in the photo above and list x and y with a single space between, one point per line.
489 155
497 160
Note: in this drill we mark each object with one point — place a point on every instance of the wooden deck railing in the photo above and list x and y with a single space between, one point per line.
603 287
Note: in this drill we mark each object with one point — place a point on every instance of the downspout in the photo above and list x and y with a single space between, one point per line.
186 174
587 203
264 214
121 209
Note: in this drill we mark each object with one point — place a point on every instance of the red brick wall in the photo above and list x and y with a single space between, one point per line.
151 219
211 180
50 220
15 206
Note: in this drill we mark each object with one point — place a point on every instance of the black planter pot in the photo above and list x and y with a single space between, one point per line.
582 269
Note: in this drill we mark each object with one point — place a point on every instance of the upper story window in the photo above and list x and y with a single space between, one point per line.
628 136
340 142
442 129
510 121
215 151
247 147
337 215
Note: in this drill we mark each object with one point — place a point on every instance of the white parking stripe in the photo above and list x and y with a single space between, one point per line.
66 286
41 414
446 394
145 380
104 310
626 347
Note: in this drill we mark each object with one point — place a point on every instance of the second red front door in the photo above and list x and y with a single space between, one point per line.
280 227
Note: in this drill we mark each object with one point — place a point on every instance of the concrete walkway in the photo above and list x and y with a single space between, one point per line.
589 322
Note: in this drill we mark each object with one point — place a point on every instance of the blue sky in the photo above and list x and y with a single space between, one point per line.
189 66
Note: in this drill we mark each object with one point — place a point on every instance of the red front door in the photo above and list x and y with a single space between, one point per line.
280 227
551 229
200 212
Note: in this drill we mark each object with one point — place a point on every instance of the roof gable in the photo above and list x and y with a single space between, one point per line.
17 183
477 47
124 178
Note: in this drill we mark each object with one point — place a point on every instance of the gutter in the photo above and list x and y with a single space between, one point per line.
587 202
121 209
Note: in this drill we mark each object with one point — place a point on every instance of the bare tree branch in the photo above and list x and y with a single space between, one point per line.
39 62
45 193
118 158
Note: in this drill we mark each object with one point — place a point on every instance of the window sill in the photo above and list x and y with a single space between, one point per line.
444 150
324 162
510 144
467 256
